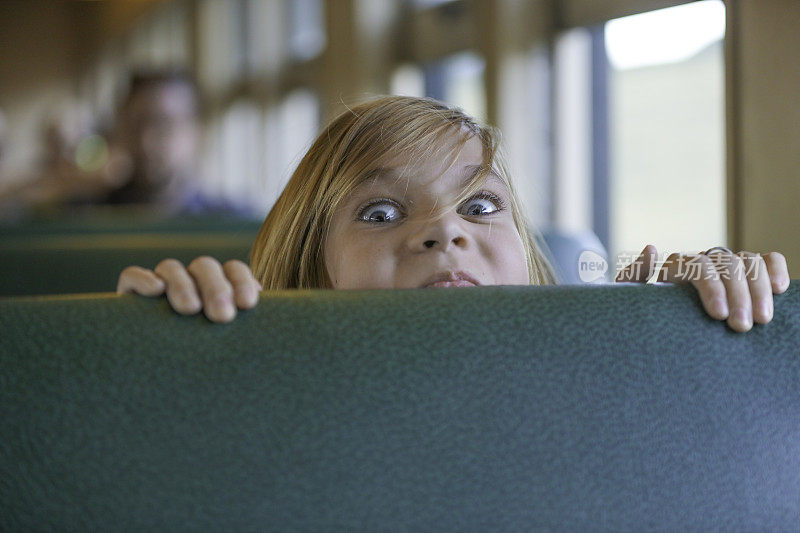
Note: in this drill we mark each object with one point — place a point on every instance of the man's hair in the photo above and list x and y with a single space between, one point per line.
289 249
141 80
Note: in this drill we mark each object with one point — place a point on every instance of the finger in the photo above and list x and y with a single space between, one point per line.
181 289
778 271
732 272
245 286
700 272
760 286
215 290
642 268
138 280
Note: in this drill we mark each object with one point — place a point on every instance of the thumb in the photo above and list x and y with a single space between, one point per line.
138 280
642 268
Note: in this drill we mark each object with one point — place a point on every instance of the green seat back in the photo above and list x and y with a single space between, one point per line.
64 264
118 219
618 408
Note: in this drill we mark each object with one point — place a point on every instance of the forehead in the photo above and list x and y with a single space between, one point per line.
443 162
398 178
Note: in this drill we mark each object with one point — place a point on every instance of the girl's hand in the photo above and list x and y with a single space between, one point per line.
205 285
737 287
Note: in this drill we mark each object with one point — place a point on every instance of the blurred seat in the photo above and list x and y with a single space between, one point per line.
85 252
564 248
100 220
69 264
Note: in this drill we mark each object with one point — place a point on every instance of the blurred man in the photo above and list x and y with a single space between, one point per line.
159 132
151 160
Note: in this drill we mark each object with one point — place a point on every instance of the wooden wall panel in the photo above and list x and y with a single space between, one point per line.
764 119
588 12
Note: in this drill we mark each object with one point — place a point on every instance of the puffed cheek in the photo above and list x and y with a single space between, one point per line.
512 267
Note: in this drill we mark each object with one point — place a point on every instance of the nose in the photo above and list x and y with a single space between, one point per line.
439 234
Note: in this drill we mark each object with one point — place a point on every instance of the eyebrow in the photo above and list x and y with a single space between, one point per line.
475 169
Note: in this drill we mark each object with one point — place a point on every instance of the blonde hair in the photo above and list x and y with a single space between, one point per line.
288 251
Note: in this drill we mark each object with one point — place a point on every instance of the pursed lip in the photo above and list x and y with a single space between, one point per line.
450 278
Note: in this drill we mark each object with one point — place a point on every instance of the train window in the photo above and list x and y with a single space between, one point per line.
666 120
230 160
266 37
161 38
572 117
408 80
307 28
285 31
424 4
289 127
256 151
222 54
458 80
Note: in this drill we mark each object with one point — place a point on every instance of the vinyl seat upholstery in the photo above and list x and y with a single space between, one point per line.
493 408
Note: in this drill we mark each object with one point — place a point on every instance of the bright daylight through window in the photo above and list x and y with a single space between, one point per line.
667 129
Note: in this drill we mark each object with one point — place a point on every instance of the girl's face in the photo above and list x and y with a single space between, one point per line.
390 233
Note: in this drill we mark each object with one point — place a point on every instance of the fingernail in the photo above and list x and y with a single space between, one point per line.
252 294
224 306
192 304
721 307
765 310
744 317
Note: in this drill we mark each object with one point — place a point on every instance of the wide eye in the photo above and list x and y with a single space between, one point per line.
381 212
484 203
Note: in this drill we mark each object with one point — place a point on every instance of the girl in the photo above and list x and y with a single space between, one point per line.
404 192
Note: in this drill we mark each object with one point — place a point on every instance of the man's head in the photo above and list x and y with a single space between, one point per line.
159 127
